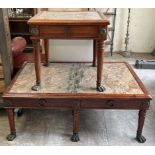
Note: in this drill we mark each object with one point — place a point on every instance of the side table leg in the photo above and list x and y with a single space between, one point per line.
46 45
36 48
140 138
94 52
100 53
12 135
75 136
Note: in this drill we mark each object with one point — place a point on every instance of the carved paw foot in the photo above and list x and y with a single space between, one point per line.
36 87
75 137
100 88
141 139
11 136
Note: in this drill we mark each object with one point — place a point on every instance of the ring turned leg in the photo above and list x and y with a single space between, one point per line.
46 45
75 136
139 137
100 52
12 135
36 50
94 52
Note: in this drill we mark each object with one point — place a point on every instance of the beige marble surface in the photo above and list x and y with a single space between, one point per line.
77 78
47 15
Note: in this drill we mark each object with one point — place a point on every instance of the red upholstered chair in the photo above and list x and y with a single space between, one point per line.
18 45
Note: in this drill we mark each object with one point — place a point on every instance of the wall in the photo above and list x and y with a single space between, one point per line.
141 30
120 29
71 50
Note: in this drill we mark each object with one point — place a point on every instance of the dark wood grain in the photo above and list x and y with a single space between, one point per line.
10 113
94 52
100 44
46 45
37 55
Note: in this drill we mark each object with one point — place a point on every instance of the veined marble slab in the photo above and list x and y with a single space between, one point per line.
47 15
77 78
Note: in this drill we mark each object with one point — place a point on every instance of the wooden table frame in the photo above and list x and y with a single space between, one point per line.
69 29
75 102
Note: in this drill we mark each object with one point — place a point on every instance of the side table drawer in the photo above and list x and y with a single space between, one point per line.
83 31
69 32
52 31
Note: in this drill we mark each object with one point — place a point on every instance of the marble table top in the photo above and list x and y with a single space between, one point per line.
75 18
47 15
77 78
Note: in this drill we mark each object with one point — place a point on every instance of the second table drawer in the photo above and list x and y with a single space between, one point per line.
111 104
70 32
83 31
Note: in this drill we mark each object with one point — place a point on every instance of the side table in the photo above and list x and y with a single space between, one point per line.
68 25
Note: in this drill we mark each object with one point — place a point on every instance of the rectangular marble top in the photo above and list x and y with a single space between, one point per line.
77 78
52 17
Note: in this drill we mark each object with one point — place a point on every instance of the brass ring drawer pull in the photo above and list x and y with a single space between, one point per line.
110 103
102 31
42 102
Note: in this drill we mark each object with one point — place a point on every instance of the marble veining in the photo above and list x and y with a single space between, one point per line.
77 77
47 15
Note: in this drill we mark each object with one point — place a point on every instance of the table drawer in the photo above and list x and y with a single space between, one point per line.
39 103
83 31
111 104
53 31
73 32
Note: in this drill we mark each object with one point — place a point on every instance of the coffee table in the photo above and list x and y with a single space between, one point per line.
71 86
